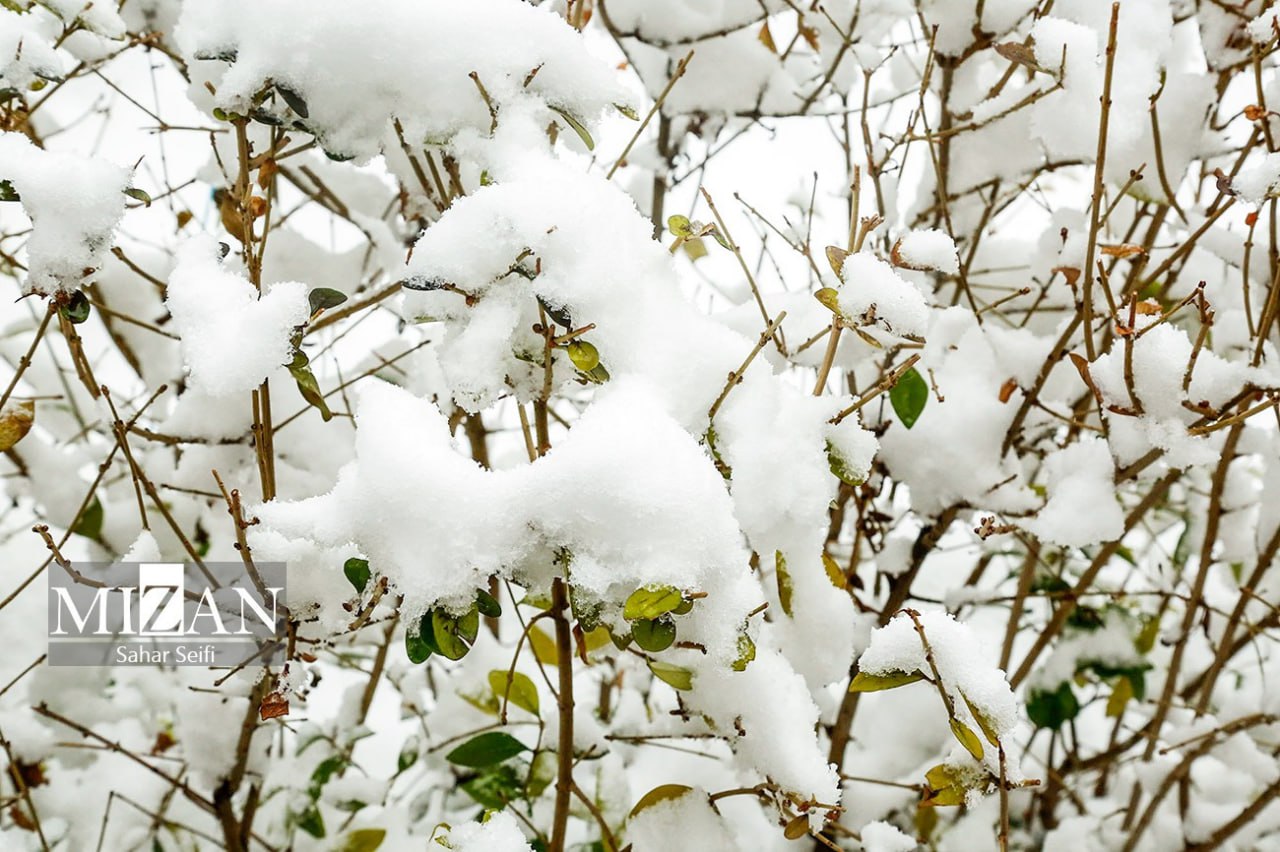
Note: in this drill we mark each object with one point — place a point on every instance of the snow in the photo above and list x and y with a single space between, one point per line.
872 294
352 101
231 338
928 249
883 837
690 817
1082 508
74 203
499 833
1257 182
962 661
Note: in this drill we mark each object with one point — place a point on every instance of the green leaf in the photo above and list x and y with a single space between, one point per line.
408 755
654 635
578 128
785 586
746 652
864 682
967 738
661 793
294 100
90 523
419 646
76 310
7 192
311 821
486 749
357 572
323 298
651 602
495 788
138 195
325 770
677 676
1051 709
487 604
909 396
628 111
840 467
308 386
583 355
364 840
450 634
518 689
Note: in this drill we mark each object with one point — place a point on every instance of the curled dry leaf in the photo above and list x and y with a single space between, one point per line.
274 705
15 422
1123 250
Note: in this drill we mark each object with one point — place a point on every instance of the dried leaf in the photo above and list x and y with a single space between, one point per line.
275 704
1018 53
836 257
766 38
1007 389
798 827
1123 250
15 422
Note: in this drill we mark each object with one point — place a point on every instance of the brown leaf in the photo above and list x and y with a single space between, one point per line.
836 257
1251 218
265 172
1017 53
20 819
766 38
164 742
1071 273
275 704
15 422
257 206
810 35
1123 250
32 774
1007 389
1253 112
184 216
1149 307
1082 366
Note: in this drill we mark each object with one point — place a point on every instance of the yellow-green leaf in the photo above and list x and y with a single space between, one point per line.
677 676
661 793
651 602
517 688
1121 694
984 722
797 827
834 573
364 840
583 355
785 588
864 682
830 299
544 647
578 128
967 738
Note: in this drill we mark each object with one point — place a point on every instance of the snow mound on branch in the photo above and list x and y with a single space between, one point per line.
499 833
928 249
394 59
1082 507
874 294
231 338
74 203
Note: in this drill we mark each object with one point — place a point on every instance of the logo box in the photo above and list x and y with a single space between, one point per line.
167 614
